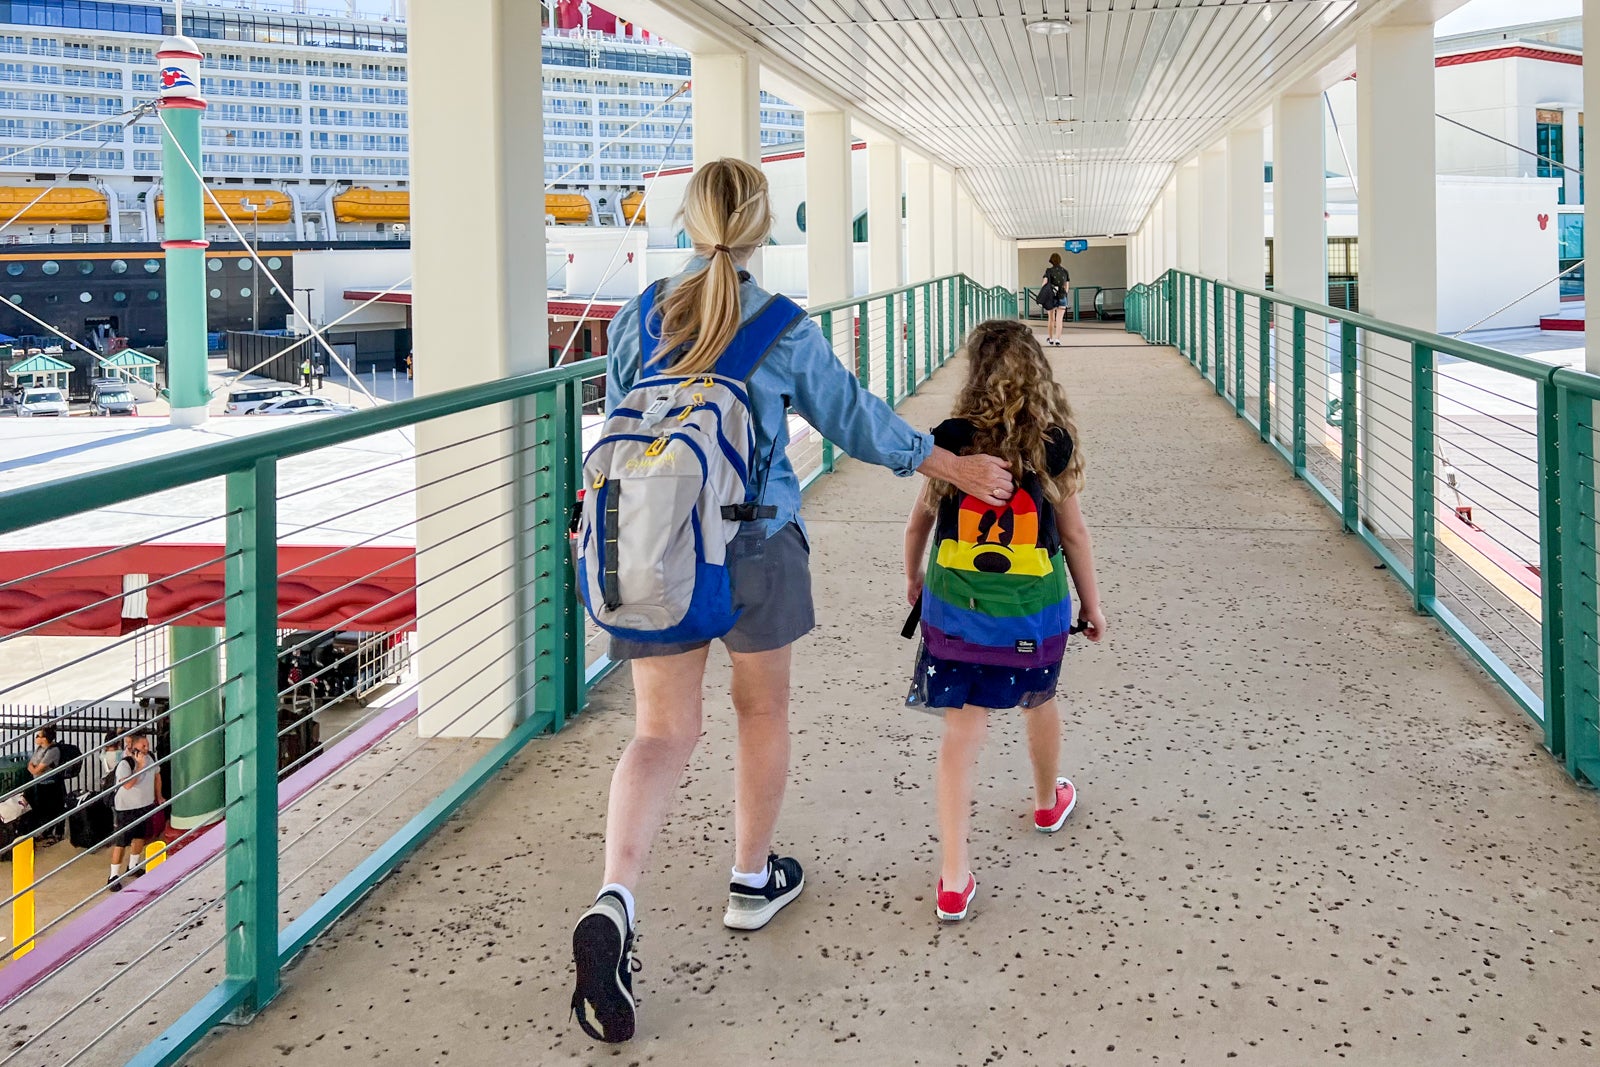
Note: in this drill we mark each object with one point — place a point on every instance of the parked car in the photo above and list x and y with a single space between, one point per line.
247 398
303 405
40 402
111 397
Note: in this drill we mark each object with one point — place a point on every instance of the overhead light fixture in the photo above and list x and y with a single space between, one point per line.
1062 97
1050 27
1069 200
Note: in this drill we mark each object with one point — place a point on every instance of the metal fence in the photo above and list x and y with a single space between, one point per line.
1469 472
285 543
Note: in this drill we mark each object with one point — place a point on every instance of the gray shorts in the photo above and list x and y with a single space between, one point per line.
771 579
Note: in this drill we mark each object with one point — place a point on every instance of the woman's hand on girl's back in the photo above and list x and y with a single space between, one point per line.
985 477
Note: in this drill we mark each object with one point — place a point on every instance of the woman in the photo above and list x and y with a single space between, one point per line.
1056 276
727 215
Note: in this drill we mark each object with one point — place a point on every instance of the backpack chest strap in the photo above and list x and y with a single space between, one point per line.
744 354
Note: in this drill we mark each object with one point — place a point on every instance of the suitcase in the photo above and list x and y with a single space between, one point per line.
89 825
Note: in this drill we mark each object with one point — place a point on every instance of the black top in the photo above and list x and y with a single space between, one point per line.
1057 276
955 435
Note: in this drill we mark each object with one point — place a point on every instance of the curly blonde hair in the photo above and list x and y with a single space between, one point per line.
1014 403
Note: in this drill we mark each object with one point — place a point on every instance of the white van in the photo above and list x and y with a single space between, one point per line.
245 399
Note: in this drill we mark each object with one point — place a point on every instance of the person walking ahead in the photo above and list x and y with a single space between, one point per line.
996 609
1056 281
682 328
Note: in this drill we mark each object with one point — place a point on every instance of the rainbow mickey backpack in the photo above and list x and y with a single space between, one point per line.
997 593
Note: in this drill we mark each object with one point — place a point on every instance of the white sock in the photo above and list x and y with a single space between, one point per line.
621 891
116 870
753 881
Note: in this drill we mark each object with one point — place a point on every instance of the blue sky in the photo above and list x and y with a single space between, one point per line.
1490 14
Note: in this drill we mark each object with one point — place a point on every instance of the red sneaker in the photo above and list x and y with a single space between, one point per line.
952 907
1049 820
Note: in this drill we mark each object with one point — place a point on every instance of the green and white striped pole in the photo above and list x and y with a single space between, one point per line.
194 682
183 237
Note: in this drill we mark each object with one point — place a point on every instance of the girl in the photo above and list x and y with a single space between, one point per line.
693 320
996 609
1056 275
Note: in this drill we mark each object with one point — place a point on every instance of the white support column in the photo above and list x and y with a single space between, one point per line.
920 220
1189 217
1299 231
727 118
1159 263
477 259
1399 242
1171 259
885 231
1247 223
1214 213
830 257
963 224
1591 102
944 222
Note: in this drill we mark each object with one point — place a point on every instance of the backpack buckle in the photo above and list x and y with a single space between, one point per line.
658 446
748 512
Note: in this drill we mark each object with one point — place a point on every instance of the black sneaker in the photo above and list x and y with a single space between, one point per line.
751 909
602 946
114 884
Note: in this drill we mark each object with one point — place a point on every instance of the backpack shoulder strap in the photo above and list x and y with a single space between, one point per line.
648 342
756 338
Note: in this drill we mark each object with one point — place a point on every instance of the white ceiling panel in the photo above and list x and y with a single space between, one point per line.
1061 134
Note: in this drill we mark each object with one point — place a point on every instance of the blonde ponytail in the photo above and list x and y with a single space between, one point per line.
727 216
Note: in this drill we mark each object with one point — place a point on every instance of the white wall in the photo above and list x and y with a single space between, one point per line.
331 273
1492 250
786 177
1498 97
1105 264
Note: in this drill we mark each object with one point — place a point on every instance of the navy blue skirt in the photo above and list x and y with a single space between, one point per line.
941 683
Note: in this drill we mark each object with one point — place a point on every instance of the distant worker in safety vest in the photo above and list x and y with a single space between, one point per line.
305 373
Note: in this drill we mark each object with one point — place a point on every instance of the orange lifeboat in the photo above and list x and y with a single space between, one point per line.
362 204
271 206
56 206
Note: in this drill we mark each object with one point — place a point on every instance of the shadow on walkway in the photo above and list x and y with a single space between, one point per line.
1310 830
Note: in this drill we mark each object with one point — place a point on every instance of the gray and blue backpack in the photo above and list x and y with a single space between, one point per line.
672 478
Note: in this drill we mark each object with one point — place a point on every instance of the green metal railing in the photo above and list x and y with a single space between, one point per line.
535 429
1469 472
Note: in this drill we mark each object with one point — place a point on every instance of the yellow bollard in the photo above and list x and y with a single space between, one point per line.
22 907
155 854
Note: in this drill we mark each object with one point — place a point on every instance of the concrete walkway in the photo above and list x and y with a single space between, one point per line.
1309 832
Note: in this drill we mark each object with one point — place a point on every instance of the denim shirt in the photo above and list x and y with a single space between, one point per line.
821 389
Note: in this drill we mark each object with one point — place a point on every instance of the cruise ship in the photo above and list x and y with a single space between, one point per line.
306 144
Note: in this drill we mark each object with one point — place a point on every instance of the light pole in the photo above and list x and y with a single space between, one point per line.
308 290
255 242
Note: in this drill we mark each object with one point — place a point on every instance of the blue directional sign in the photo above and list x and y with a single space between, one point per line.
1077 246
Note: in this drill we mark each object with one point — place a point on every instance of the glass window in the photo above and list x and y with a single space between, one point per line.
245 263
119 297
50 266
152 265
153 295
85 297
16 298
119 266
244 293
274 263
215 264
1551 149
86 266
14 269
216 294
